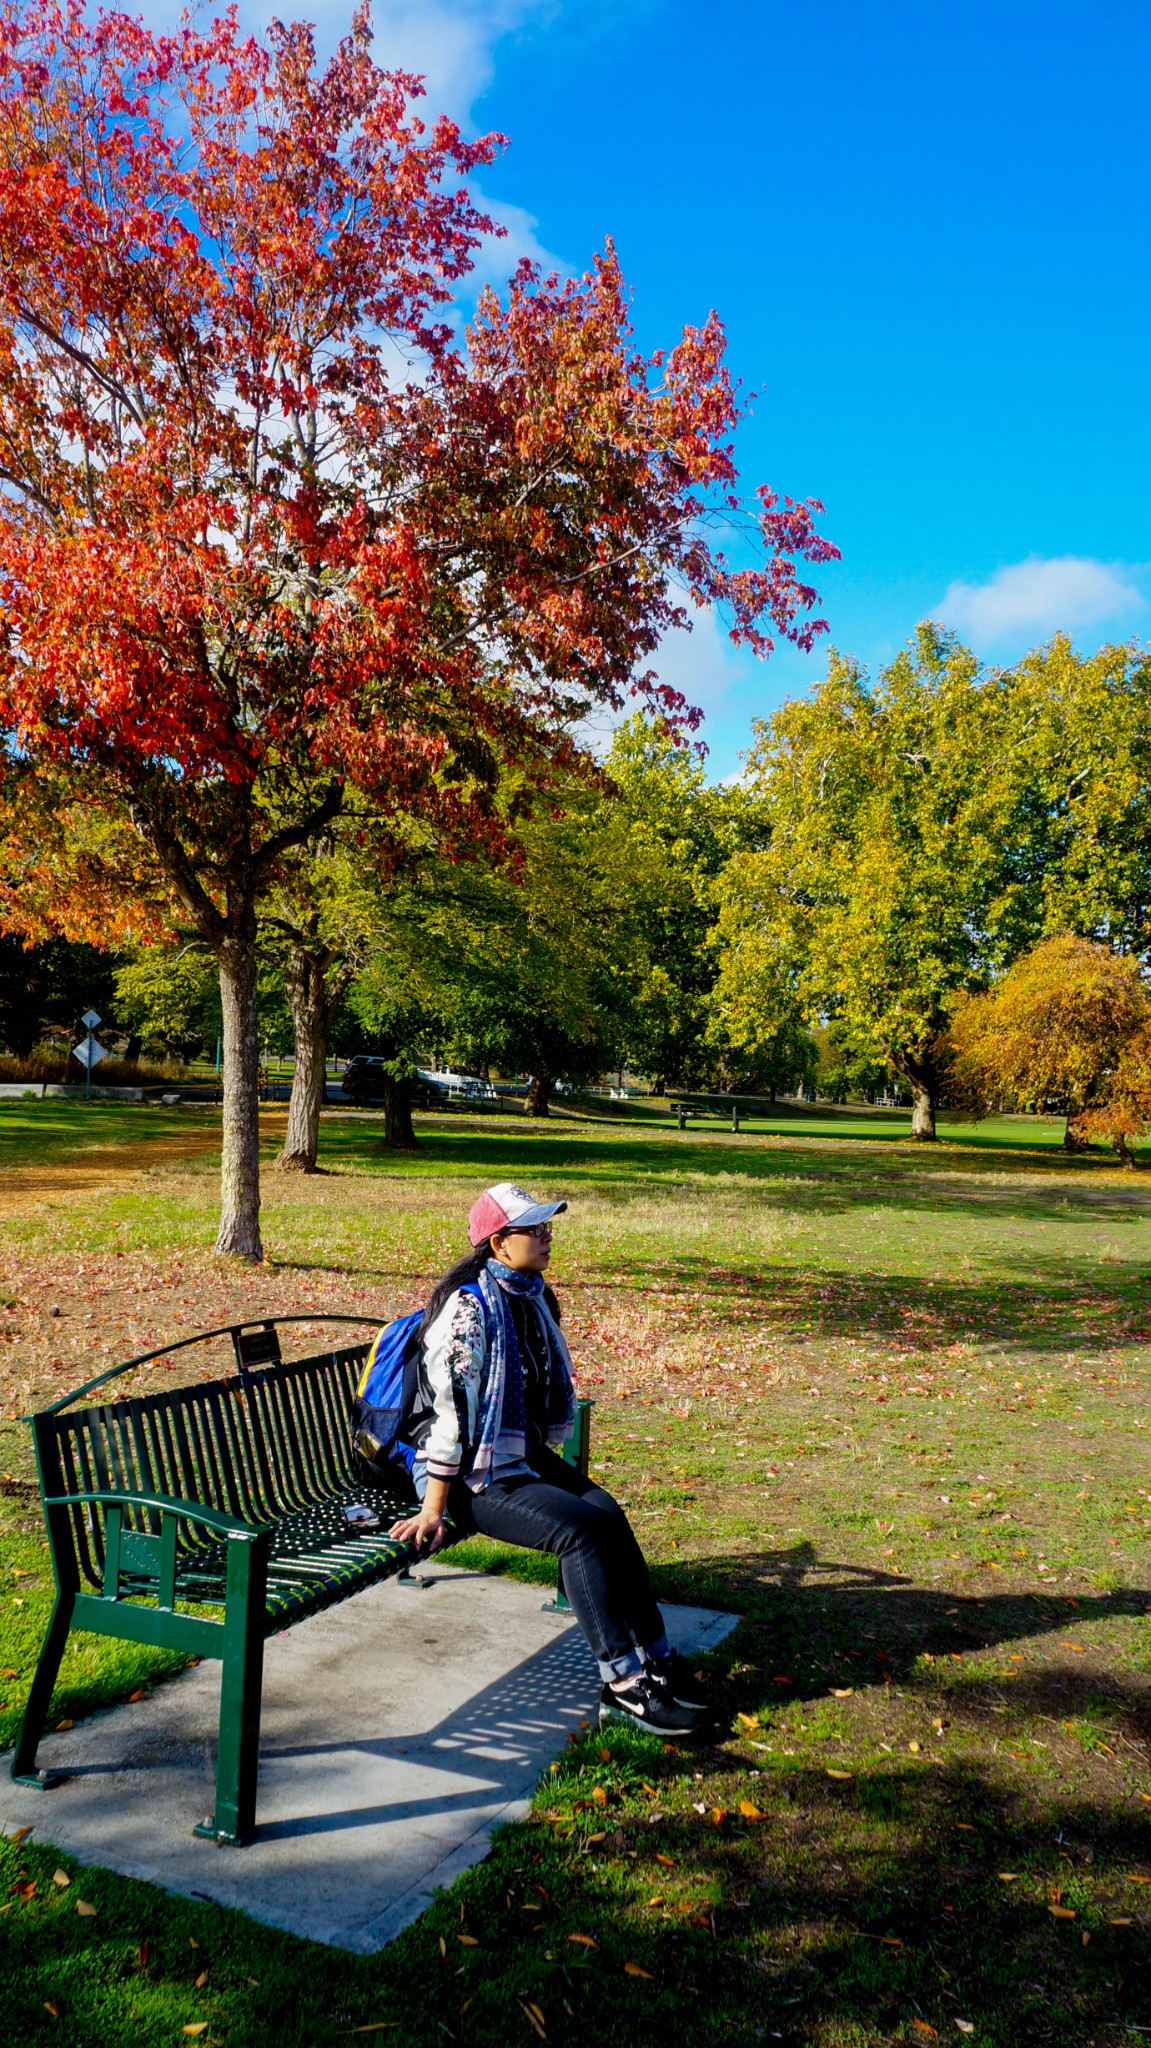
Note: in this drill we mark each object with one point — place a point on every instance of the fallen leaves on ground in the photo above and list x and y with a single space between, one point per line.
61 1877
536 2017
637 1970
584 1940
86 1910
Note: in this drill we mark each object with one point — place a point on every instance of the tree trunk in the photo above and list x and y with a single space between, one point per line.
922 1077
922 1113
399 1133
239 1232
539 1095
311 1004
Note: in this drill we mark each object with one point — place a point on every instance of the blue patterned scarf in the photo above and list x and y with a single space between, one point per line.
500 1410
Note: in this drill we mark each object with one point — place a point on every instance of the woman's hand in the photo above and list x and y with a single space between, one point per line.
427 1530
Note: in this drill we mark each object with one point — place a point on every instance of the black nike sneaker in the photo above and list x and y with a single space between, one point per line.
644 1701
678 1683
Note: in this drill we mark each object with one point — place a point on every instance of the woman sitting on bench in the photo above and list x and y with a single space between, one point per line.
499 1397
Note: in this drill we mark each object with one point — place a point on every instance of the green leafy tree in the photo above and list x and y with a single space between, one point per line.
1082 726
679 833
528 965
896 864
169 996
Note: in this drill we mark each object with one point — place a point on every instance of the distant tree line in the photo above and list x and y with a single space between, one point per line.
938 882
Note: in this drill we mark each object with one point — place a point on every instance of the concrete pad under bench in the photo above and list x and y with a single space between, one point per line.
399 1729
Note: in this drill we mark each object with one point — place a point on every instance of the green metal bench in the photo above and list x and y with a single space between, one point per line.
229 1494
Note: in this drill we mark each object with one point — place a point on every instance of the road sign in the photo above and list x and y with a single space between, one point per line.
90 1019
89 1053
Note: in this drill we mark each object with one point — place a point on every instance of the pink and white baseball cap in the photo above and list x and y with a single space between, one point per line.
507 1207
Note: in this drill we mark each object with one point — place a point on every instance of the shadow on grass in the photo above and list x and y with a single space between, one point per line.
813 1607
1068 1306
593 1154
837 1914
873 1911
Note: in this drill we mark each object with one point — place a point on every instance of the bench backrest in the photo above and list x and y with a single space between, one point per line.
257 1444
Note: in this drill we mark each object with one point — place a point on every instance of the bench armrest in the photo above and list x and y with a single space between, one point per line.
165 1504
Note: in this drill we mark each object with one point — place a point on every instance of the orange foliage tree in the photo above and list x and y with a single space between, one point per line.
1069 1024
271 536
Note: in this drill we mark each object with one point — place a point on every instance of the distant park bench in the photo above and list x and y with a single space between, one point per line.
229 1494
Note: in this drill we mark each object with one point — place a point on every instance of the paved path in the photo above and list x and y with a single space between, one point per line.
398 1730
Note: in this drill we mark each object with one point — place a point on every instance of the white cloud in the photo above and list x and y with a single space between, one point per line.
497 255
1037 598
701 664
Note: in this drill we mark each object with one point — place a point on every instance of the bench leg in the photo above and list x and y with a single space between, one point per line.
409 1581
561 1604
238 1751
40 1699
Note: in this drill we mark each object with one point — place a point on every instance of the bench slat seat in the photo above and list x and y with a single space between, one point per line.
208 1518
314 1561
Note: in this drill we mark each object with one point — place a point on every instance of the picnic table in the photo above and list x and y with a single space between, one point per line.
165 1508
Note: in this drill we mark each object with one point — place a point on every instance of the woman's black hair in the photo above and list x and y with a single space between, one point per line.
465 1270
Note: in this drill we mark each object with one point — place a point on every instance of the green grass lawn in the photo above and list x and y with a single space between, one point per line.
56 1131
888 1403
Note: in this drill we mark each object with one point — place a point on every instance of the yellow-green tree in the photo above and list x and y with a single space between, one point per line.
1081 732
895 864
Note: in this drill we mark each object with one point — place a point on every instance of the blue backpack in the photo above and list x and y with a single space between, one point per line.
389 1398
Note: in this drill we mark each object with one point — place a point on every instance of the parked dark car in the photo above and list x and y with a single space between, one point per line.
363 1081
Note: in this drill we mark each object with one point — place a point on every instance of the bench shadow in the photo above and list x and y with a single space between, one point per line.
496 1745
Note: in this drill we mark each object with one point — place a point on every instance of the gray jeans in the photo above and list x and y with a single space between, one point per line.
604 1574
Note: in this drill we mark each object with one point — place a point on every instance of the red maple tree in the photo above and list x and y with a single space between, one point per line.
269 532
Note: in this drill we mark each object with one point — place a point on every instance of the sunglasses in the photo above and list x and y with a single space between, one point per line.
540 1231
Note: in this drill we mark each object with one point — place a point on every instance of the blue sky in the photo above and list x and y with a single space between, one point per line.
926 228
